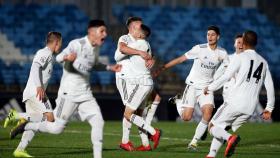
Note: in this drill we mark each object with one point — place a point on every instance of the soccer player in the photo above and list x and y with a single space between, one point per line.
250 71
238 45
140 84
207 57
74 91
37 104
122 57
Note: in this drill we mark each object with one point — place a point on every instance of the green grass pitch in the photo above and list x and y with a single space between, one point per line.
257 141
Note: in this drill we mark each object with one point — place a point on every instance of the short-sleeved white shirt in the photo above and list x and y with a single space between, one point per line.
206 61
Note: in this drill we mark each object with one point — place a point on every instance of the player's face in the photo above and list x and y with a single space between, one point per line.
58 45
134 27
212 37
238 45
97 35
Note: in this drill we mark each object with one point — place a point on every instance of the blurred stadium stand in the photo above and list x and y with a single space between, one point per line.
23 35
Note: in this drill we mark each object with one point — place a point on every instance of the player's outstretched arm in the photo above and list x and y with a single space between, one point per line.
174 62
130 51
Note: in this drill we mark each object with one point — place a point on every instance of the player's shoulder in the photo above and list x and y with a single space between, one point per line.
221 49
125 38
43 52
202 46
78 41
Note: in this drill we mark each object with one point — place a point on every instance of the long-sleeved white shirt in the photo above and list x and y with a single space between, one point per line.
75 78
40 72
251 72
122 58
138 72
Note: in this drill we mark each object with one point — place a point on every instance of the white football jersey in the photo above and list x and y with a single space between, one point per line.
43 57
121 58
250 71
138 72
74 83
206 62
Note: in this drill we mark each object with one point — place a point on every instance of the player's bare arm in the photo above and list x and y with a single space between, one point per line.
70 57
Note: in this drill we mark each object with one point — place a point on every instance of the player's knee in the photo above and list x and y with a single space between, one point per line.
186 117
127 116
210 125
49 117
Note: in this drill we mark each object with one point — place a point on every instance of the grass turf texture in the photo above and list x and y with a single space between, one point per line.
257 141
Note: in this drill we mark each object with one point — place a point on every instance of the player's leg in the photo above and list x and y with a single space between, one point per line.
33 106
126 125
90 111
64 109
153 107
223 118
207 102
143 134
138 94
185 106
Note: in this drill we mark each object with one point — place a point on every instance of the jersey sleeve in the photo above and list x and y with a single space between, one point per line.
72 47
229 73
225 59
268 83
119 56
41 58
193 53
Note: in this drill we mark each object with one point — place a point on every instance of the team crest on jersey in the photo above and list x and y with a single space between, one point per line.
42 59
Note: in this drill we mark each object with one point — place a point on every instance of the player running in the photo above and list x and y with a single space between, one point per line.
250 71
37 104
207 58
75 91
238 45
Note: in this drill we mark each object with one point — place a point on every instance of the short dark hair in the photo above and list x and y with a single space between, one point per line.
250 38
146 30
239 35
132 19
53 36
214 28
96 23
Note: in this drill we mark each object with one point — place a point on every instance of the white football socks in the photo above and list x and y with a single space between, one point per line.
151 112
219 133
200 130
179 107
27 136
97 125
215 146
126 130
139 121
144 137
32 117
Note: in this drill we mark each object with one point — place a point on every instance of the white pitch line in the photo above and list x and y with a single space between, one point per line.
116 134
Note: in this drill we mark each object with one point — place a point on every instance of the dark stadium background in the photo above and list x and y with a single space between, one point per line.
176 26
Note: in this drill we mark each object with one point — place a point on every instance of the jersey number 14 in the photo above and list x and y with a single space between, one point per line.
257 73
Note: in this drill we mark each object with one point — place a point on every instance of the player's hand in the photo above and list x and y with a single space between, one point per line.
40 93
115 68
157 72
266 115
150 63
206 91
70 57
145 55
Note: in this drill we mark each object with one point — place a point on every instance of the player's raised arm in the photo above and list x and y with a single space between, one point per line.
268 83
